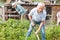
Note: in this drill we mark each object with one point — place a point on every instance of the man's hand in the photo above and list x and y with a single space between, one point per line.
36 33
33 24
39 27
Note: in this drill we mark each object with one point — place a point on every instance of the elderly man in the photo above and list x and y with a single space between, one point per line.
21 10
58 18
37 16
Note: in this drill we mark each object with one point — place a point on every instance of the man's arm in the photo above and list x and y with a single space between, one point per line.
30 18
41 24
31 14
42 21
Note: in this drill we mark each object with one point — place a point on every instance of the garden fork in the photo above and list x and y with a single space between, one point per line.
37 34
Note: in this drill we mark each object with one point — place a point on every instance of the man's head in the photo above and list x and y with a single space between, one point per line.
40 7
13 5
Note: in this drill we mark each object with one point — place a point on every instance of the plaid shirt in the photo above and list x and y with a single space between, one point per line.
20 10
37 16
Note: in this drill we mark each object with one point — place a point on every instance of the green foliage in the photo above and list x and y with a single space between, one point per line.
53 33
37 0
13 29
16 30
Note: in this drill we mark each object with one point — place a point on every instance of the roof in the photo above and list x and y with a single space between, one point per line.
49 0
32 4
52 4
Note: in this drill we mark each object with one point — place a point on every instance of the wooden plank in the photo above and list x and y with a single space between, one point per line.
10 12
12 15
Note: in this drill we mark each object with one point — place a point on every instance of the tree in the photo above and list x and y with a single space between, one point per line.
37 0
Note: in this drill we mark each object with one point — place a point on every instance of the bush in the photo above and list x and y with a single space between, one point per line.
13 29
53 33
16 30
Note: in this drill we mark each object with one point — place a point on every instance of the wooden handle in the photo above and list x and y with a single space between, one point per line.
37 37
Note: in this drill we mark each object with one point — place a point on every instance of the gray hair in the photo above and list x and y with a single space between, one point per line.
13 3
41 4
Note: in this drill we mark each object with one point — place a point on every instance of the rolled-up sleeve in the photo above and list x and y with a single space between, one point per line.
44 15
31 12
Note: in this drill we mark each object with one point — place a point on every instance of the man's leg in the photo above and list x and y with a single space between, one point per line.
8 1
57 23
29 30
43 32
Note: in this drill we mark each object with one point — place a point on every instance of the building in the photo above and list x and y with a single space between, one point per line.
51 1
51 10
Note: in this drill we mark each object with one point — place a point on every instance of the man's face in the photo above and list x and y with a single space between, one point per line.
40 8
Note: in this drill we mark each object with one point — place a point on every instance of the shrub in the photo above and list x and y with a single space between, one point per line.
16 30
